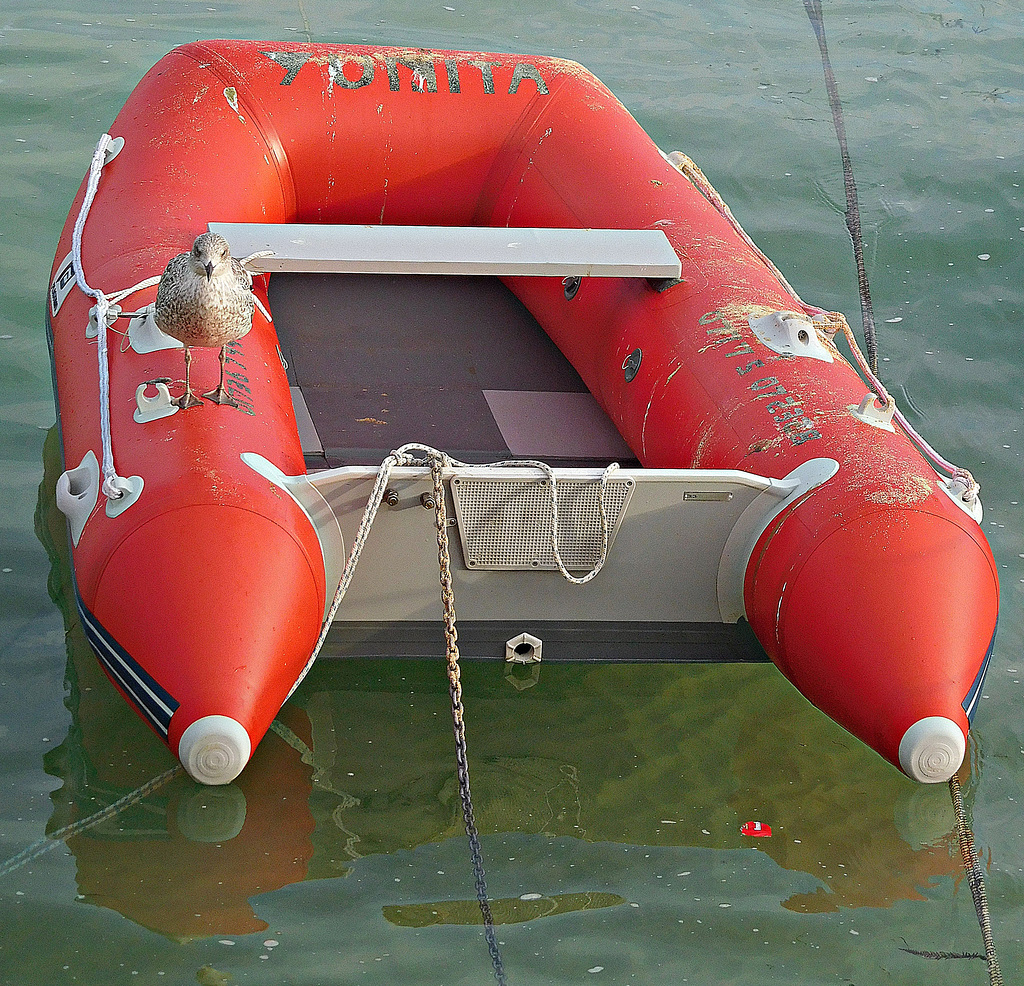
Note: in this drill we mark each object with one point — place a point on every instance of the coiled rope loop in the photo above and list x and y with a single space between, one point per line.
405 456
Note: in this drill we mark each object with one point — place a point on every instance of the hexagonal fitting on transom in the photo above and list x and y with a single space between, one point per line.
524 649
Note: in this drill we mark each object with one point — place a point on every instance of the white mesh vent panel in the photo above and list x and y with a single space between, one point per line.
505 524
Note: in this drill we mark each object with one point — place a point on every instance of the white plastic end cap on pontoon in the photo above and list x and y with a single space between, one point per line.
214 749
932 750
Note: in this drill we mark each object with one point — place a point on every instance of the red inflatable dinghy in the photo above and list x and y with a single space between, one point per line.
202 582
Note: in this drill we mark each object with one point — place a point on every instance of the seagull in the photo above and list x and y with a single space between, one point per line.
205 299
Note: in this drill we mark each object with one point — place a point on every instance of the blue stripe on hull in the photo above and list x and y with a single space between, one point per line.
970 703
155 703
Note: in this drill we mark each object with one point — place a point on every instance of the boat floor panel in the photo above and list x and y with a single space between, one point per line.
453 362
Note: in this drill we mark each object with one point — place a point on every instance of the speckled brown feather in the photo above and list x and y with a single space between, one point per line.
201 310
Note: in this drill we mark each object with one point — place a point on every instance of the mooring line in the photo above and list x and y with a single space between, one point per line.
814 13
61 835
922 953
458 716
967 850
972 865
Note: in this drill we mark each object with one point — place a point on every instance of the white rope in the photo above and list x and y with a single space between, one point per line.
686 166
114 486
968 486
118 296
256 256
404 457
550 473
396 458
255 297
121 295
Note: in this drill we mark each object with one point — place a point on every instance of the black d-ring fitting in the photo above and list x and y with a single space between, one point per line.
631 364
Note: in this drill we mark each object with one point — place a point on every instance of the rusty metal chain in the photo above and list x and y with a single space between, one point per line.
458 720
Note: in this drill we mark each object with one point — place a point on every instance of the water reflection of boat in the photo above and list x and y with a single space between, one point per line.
607 754
360 763
186 859
511 910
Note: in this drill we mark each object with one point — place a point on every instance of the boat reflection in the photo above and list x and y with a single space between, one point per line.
361 761
185 859
509 910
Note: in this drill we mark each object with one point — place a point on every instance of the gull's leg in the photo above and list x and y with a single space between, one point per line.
188 399
221 395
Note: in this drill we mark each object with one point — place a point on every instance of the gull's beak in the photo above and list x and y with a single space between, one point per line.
209 270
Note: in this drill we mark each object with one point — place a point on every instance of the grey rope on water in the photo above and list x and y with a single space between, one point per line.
967 849
305 22
814 13
972 866
61 835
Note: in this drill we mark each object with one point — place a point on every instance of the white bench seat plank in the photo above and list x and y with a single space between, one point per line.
465 250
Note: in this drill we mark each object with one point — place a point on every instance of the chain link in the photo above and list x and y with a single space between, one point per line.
451 637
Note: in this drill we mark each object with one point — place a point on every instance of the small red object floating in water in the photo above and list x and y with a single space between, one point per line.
756 829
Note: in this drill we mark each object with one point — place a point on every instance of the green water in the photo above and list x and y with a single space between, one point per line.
609 797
